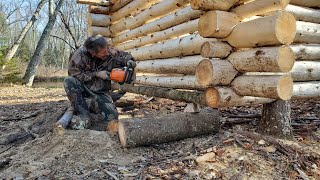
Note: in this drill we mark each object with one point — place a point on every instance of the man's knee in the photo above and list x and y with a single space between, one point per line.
70 82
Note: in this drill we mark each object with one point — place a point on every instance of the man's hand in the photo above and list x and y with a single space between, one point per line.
103 75
131 63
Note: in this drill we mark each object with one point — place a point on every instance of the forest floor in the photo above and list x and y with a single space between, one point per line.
30 150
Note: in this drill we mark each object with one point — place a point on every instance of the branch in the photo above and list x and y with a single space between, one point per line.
68 28
63 41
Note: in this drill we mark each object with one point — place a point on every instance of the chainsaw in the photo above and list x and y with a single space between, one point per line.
122 75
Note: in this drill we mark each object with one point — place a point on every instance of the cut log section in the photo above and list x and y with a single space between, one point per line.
306 51
224 5
272 30
153 12
217 24
196 97
306 3
268 86
99 10
172 127
187 45
118 5
211 72
215 49
306 71
177 81
306 90
219 97
100 20
100 30
178 17
307 32
176 31
95 2
265 59
304 14
185 65
259 7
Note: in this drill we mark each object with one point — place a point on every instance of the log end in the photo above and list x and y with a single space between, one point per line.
286 58
122 134
285 87
285 28
207 24
211 96
204 72
112 127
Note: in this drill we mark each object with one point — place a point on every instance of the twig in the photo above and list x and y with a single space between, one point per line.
111 175
301 173
6 149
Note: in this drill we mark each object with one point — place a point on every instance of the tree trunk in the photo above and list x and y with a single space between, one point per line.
265 59
119 4
178 17
304 14
276 120
172 127
306 71
95 2
100 20
99 10
176 31
306 51
215 50
307 33
272 30
306 90
12 51
206 5
36 58
306 3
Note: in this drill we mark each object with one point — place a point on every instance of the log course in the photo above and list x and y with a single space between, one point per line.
176 31
272 30
153 12
259 7
220 97
172 127
307 32
306 3
196 97
184 65
187 45
215 49
304 14
104 31
217 24
99 10
95 2
265 59
178 17
211 72
100 20
306 90
118 5
306 71
206 5
268 86
306 51
175 81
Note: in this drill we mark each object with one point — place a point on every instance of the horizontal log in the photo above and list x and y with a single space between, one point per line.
196 97
118 5
206 5
99 10
265 59
95 2
100 20
306 71
185 65
268 86
176 31
259 7
172 127
215 49
211 72
187 45
304 14
306 3
220 97
272 30
177 81
306 51
104 31
178 17
306 90
153 12
307 32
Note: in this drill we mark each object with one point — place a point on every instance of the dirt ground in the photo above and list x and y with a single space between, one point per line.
30 150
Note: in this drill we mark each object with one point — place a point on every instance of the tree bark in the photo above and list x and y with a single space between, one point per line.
306 51
206 5
307 33
276 120
304 13
36 58
306 71
172 127
215 49
306 90
306 3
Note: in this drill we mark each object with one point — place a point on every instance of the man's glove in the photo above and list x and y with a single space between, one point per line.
105 75
131 63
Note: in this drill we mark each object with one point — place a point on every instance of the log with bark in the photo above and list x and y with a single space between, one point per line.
100 20
219 97
95 2
211 72
265 59
118 5
215 49
304 13
99 10
307 32
187 45
178 17
104 31
206 5
306 90
153 12
176 31
306 71
217 24
306 3
172 127
268 86
272 30
183 65
306 51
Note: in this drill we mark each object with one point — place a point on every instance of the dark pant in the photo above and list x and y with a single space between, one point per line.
77 92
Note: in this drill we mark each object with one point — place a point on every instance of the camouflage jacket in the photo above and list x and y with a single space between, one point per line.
84 67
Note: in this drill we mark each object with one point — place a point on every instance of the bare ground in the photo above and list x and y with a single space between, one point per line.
29 149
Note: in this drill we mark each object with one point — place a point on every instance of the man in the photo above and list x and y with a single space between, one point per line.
89 69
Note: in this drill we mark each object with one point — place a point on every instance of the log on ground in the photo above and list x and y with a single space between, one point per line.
206 5
306 51
306 71
306 90
172 127
304 13
215 49
307 33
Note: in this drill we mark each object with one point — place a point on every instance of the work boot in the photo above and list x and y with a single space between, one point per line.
80 123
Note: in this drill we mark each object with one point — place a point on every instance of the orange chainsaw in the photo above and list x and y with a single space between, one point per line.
122 75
